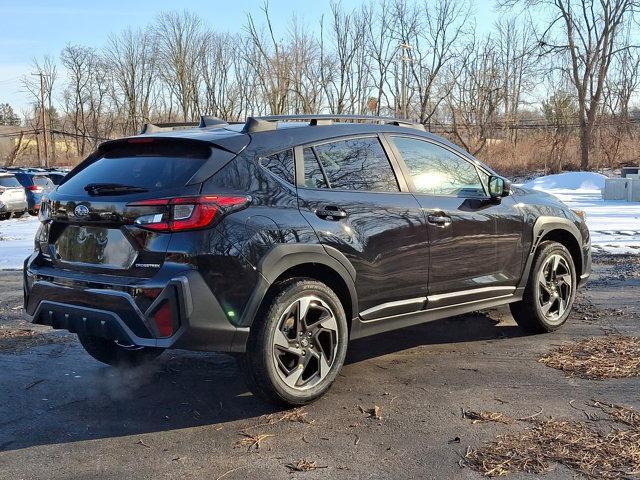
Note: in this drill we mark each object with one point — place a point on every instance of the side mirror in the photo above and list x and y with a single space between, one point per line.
499 187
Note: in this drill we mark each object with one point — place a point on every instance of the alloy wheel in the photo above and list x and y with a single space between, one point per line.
305 342
555 288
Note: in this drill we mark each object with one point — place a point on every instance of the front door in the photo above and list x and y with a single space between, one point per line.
351 196
462 222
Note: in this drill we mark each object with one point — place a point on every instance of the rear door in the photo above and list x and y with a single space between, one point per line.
470 235
350 194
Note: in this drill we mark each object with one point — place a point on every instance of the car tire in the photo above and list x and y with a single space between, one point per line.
33 212
19 214
550 291
5 216
297 345
116 355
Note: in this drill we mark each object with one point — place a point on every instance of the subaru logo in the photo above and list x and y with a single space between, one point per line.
81 211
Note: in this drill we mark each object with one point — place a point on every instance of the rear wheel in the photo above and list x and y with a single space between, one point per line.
117 354
550 291
295 352
33 212
4 216
19 214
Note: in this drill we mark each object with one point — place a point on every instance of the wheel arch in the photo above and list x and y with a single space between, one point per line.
325 264
559 230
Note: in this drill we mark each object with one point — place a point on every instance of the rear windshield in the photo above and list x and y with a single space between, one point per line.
42 181
9 182
155 166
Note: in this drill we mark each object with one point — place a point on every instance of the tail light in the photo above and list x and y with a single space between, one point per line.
163 319
188 213
34 188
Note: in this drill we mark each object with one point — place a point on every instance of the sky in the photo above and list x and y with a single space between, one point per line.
36 28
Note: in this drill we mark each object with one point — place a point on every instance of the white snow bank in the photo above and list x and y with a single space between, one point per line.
614 225
568 181
16 241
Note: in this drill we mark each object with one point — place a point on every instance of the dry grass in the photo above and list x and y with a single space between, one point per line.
297 415
18 340
592 452
611 356
252 441
303 466
480 417
542 151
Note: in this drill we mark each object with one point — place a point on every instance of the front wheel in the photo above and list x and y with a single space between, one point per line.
117 354
550 290
295 351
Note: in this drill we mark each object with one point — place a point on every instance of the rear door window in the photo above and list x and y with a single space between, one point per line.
9 182
357 164
42 181
313 174
281 165
150 166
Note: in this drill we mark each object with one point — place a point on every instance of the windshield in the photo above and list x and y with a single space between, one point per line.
142 166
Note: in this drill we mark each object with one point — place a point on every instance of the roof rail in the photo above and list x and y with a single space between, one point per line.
206 121
268 122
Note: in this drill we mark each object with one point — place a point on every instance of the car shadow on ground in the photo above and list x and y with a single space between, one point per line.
78 399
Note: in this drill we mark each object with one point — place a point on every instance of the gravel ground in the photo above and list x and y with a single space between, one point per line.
65 416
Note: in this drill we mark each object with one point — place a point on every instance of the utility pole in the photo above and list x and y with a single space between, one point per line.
43 117
404 88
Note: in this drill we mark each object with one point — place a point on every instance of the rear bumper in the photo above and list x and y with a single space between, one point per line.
110 311
11 206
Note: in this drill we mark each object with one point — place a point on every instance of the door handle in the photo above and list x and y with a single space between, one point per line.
331 212
439 220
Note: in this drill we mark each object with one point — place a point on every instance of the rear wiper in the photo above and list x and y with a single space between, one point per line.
112 188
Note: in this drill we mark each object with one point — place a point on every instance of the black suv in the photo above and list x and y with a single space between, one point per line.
285 237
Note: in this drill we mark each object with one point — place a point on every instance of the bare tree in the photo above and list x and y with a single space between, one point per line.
434 32
474 95
516 61
341 51
270 61
131 57
180 41
587 32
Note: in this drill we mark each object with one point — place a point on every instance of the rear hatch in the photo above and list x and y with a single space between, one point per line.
114 212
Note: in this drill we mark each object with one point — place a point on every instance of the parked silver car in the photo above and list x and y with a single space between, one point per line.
13 199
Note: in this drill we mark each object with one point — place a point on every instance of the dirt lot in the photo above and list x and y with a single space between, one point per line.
64 415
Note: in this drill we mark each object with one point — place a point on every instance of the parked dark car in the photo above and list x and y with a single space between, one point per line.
13 200
36 184
284 238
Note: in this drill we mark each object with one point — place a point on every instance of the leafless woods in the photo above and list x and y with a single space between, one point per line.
551 84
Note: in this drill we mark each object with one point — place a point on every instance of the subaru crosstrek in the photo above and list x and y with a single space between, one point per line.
284 238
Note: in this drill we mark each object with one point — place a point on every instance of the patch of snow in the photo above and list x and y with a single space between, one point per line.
614 225
16 241
568 181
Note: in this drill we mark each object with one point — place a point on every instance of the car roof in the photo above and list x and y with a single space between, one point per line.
275 133
289 134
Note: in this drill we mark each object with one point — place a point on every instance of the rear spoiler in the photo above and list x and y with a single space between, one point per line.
233 143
